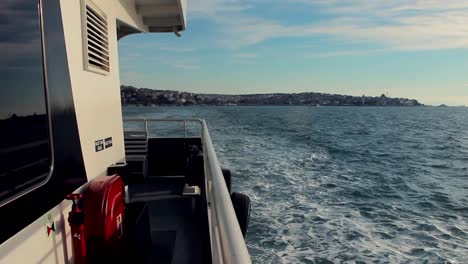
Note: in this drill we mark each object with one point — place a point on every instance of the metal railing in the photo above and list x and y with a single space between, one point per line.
147 127
227 243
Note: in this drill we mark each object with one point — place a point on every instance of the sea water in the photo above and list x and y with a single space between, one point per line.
345 184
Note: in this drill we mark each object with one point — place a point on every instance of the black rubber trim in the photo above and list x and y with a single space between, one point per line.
227 178
242 207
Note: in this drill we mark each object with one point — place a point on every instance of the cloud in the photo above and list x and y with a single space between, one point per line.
396 24
151 44
129 76
176 49
247 55
184 63
342 53
185 66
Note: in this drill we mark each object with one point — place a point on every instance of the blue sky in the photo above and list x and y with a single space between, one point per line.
416 49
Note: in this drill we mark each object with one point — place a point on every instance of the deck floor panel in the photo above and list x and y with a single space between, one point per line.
174 225
174 222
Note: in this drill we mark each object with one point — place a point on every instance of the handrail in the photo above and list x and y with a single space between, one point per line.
227 243
163 119
223 219
149 120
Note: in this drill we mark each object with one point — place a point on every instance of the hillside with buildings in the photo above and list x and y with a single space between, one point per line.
149 97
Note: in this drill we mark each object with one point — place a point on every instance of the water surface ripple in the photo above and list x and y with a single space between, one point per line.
345 184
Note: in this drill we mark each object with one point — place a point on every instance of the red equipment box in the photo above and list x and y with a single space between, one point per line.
104 208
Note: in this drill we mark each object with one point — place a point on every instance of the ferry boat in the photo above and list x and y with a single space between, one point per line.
78 184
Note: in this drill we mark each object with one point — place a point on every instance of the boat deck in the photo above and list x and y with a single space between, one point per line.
169 230
178 207
164 224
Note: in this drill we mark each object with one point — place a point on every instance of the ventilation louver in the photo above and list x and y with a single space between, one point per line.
96 40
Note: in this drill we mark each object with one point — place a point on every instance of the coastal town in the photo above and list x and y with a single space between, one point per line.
148 97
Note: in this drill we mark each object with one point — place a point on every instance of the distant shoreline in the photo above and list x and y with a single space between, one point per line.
314 106
132 96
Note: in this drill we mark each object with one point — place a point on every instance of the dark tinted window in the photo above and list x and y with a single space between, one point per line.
25 156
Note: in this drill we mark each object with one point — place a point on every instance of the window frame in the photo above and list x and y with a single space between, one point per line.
68 168
16 195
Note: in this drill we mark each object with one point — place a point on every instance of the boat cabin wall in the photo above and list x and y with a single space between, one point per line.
97 93
35 227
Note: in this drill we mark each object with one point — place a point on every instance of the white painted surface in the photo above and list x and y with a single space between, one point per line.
96 96
34 245
99 115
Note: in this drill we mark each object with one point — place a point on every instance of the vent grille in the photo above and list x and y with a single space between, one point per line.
96 40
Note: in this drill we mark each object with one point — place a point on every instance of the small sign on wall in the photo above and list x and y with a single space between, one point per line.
99 145
108 142
102 144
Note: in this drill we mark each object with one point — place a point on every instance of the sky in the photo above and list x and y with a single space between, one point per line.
401 48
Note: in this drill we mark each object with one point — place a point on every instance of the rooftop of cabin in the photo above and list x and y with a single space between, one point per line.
158 16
